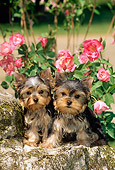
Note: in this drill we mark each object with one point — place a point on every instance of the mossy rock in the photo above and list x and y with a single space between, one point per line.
15 156
11 120
67 157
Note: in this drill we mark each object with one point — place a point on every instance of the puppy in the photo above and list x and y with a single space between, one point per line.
34 94
74 120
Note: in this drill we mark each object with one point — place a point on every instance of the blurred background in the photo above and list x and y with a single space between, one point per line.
71 21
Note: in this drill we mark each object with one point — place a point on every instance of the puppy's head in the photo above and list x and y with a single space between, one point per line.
34 92
71 96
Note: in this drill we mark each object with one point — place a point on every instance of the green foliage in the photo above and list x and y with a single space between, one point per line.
37 58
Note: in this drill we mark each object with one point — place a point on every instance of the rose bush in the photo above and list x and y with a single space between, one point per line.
100 107
43 41
92 48
16 39
103 75
6 49
65 62
87 61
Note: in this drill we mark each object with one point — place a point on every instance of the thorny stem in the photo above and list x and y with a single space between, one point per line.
91 18
10 20
32 32
94 98
2 33
111 24
68 38
23 22
73 31
55 23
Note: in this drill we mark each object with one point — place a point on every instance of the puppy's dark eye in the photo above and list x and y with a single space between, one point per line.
63 94
41 92
77 96
28 92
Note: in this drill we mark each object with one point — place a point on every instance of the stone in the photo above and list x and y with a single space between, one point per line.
15 156
11 121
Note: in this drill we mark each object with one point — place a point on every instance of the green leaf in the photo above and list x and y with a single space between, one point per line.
33 73
96 85
108 99
9 78
112 79
23 47
112 143
21 51
51 54
112 88
44 66
17 15
108 113
35 58
111 130
76 61
5 85
79 12
32 48
105 86
104 44
38 46
41 59
50 42
98 92
97 12
78 74
103 61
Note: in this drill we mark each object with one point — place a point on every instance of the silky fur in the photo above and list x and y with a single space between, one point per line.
34 94
73 116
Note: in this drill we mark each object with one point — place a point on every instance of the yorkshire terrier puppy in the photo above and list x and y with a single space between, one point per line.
74 120
34 94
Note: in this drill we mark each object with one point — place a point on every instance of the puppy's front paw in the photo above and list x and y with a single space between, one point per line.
46 145
27 142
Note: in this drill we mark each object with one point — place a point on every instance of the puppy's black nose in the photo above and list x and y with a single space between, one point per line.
35 100
69 102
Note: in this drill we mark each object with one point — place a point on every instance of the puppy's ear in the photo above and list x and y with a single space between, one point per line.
87 82
59 78
46 76
19 80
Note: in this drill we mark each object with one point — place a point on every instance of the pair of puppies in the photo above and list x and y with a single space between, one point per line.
71 120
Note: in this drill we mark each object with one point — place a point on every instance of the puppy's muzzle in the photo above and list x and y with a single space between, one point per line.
69 102
35 100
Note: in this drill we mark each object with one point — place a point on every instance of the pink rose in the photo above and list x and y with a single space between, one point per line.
41 2
43 41
92 48
67 12
46 8
64 53
17 39
18 63
100 107
83 58
9 69
65 62
103 75
53 4
7 63
6 49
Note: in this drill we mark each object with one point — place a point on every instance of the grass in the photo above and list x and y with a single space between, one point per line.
43 29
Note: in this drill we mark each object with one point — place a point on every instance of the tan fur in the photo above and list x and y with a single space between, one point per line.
70 101
34 95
